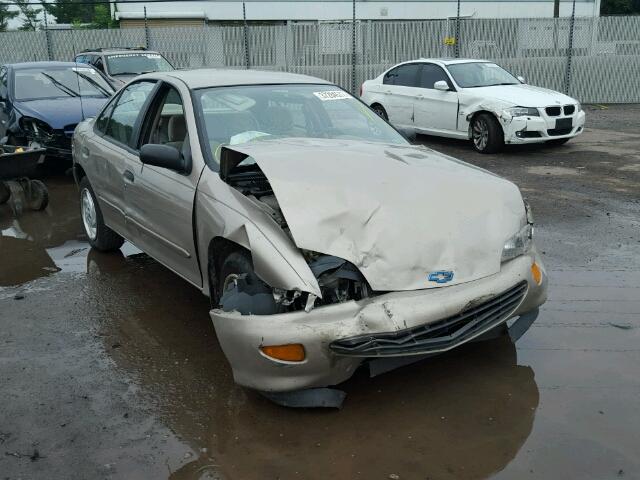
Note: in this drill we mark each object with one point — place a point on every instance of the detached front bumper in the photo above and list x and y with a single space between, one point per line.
328 332
527 129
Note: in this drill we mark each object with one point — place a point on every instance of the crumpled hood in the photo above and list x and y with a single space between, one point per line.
522 95
398 213
60 112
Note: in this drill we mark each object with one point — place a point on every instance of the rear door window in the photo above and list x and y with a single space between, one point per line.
404 75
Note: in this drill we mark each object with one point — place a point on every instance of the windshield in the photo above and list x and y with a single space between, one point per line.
480 74
235 115
36 83
137 63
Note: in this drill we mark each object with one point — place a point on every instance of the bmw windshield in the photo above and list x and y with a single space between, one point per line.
481 74
235 115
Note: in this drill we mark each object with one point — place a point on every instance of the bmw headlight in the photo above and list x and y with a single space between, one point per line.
522 112
578 107
522 241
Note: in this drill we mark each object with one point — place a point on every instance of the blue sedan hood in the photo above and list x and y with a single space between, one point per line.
60 112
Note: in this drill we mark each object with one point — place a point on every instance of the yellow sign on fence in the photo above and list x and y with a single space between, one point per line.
449 40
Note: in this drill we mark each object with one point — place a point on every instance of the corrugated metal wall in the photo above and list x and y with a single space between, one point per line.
605 58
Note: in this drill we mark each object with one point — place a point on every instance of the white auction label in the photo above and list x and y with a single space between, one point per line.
332 95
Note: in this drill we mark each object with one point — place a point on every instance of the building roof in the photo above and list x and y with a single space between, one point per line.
212 77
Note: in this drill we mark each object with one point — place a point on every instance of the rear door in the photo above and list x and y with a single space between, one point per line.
160 201
400 87
107 153
435 110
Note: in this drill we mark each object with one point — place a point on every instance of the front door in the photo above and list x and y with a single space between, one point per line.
435 110
160 201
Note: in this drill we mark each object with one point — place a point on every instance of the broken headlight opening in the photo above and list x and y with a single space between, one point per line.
36 130
522 241
522 112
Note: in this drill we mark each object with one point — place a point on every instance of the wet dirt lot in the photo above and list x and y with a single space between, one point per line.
110 368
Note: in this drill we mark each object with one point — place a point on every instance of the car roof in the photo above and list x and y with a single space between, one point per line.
213 77
111 51
25 65
445 60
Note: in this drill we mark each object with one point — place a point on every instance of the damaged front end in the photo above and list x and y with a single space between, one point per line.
338 280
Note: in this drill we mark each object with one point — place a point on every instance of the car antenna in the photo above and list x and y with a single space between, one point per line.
79 91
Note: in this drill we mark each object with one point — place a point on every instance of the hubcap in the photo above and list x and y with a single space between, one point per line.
480 134
89 219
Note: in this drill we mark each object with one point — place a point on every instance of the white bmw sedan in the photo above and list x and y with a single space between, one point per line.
472 99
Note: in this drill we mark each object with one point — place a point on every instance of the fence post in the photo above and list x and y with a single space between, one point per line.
47 38
147 33
457 47
245 28
353 49
567 78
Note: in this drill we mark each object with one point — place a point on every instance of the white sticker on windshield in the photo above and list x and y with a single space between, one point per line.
332 95
84 70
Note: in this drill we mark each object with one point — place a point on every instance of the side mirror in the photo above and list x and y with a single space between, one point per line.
441 85
164 156
409 134
521 79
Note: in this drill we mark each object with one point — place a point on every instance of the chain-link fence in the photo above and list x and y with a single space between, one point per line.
602 65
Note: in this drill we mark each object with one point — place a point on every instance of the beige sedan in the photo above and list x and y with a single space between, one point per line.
324 239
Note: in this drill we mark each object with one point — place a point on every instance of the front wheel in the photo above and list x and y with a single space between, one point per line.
486 134
100 236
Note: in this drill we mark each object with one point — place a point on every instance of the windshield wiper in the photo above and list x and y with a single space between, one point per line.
61 86
104 91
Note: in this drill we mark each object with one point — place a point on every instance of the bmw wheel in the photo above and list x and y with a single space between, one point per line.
379 109
486 134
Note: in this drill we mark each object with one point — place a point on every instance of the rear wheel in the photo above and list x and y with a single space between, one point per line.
379 109
486 134
100 236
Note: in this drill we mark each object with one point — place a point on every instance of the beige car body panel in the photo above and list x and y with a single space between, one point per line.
396 212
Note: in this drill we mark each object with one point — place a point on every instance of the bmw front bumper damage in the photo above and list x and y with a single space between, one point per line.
526 129
385 331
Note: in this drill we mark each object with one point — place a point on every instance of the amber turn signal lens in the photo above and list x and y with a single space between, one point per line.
537 273
293 352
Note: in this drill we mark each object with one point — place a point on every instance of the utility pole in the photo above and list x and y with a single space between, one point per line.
567 80
457 47
556 8
246 35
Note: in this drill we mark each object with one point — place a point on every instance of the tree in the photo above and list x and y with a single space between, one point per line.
6 15
30 14
76 12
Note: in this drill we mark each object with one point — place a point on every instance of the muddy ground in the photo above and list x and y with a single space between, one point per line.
110 368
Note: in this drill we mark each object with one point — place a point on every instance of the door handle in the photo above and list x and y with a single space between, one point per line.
128 176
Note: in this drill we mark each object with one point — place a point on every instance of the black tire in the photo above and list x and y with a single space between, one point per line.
237 268
5 193
380 111
105 239
38 195
486 134
558 141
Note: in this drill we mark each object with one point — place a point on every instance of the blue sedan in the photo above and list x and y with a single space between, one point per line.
42 102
